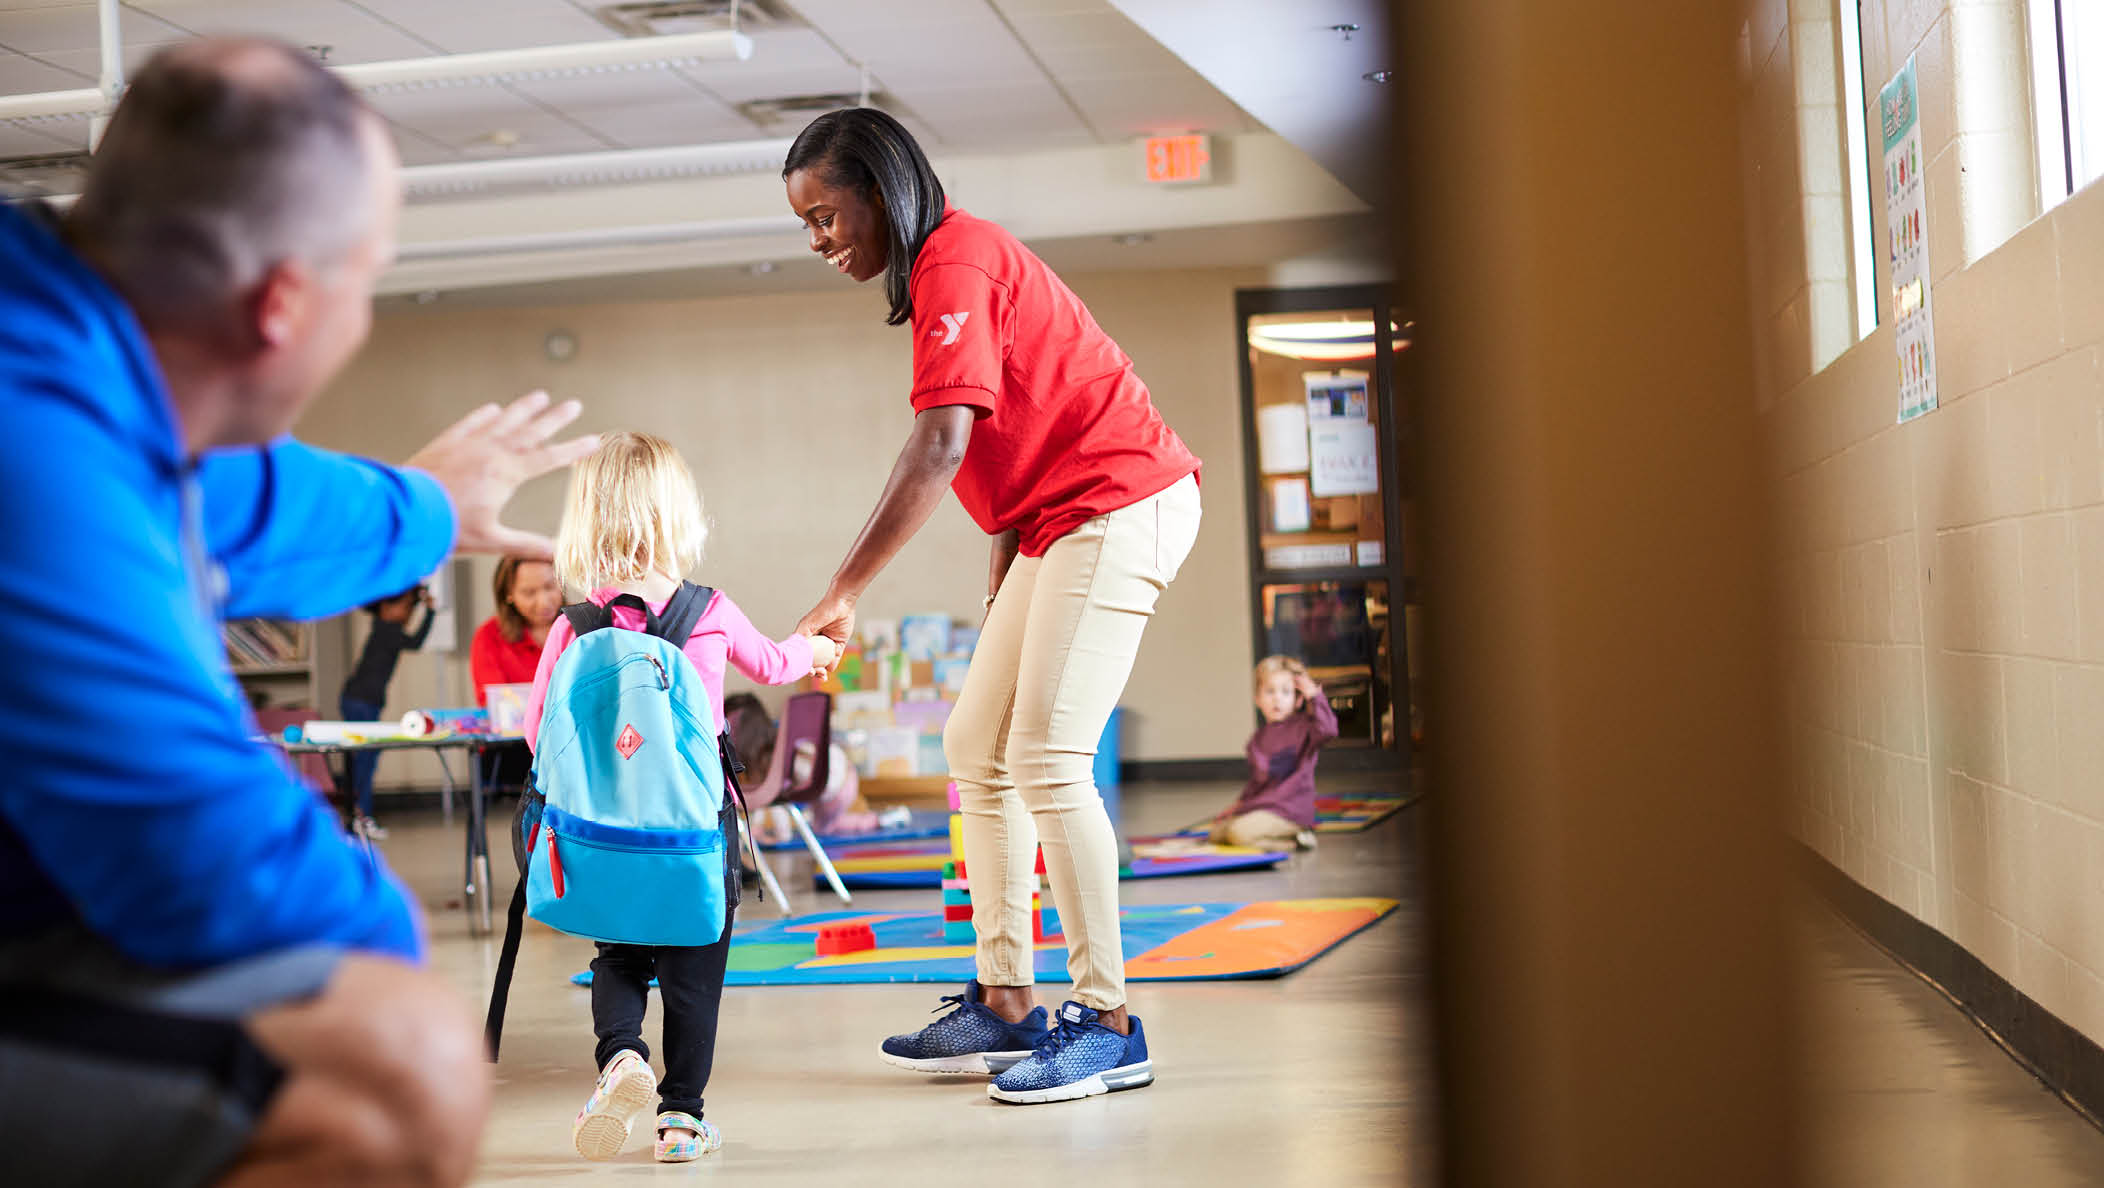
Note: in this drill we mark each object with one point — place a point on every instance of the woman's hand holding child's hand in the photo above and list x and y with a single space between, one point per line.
824 653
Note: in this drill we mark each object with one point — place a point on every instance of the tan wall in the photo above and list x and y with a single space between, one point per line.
791 410
1944 579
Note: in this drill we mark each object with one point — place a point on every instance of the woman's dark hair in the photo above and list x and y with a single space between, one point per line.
862 149
752 732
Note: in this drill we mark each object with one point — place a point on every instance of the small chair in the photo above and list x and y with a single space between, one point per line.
805 744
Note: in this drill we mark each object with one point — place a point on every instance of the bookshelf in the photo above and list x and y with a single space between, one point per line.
285 665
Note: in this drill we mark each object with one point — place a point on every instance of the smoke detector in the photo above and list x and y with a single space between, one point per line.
659 18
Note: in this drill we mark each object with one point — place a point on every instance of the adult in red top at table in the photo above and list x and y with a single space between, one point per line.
1028 410
507 647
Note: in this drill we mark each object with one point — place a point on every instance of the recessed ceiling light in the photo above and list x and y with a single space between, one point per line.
1378 76
763 268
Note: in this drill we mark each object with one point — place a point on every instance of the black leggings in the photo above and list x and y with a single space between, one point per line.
690 981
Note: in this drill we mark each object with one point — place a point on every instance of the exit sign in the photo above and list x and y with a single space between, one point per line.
1179 158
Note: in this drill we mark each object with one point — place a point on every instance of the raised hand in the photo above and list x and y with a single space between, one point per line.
487 455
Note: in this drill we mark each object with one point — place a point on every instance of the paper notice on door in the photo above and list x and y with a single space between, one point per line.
1282 438
1345 459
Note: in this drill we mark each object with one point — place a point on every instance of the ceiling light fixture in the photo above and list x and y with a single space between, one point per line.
1378 76
1322 341
448 70
595 169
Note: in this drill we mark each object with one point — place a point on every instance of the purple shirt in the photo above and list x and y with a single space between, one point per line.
1282 764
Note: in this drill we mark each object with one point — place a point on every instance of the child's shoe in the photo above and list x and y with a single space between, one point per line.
683 1138
970 1039
369 829
1305 839
1079 1058
626 1088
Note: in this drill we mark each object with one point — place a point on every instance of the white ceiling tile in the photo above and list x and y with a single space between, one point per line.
825 80
74 27
419 150
460 27
1095 45
1167 103
20 75
839 17
87 64
796 52
700 120
1018 9
1032 112
351 33
37 140
461 116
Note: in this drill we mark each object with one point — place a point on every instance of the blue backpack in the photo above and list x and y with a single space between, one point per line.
626 831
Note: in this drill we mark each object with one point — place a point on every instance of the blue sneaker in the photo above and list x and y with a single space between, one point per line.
1079 1058
970 1039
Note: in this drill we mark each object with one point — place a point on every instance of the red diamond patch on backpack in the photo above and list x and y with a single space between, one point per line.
629 741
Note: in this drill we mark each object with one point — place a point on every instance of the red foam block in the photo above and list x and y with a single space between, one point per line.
835 939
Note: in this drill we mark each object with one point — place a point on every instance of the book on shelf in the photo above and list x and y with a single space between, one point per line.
263 643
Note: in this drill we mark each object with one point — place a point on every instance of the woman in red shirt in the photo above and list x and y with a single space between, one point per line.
506 649
1033 416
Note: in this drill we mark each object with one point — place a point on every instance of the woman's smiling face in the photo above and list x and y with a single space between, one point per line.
849 230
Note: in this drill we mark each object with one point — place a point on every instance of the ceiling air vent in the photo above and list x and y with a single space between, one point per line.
798 109
659 18
38 176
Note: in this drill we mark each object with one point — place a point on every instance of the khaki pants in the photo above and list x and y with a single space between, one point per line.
1258 830
1051 664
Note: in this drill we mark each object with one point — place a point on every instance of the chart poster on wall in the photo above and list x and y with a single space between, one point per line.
1907 242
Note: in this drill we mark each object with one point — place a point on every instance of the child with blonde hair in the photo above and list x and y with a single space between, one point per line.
1277 806
631 530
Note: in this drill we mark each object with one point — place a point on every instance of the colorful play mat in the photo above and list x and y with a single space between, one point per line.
919 863
1163 942
1350 814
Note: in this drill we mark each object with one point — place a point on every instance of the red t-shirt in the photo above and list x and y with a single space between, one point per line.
1065 430
495 660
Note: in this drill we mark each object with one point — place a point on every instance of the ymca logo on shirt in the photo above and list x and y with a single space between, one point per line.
952 324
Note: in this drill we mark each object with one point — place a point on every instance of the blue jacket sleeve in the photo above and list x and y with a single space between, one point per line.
132 781
304 533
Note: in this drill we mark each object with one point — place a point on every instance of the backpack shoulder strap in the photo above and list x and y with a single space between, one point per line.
684 610
587 617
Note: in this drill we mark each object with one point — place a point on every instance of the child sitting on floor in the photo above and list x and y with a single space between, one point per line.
1277 806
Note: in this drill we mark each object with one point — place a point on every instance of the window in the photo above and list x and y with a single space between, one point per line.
1855 102
2067 95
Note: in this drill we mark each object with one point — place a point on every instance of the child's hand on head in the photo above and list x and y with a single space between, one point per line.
824 652
1306 686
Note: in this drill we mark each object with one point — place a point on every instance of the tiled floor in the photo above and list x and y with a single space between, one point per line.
1313 1078
1305 1079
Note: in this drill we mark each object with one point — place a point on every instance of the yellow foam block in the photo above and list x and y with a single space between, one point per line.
957 837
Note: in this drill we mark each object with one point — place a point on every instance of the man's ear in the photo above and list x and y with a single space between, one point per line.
278 305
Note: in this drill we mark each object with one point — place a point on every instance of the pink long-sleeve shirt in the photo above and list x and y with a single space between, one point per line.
723 637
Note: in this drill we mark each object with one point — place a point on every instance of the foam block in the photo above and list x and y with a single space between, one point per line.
956 911
956 933
835 939
951 898
957 837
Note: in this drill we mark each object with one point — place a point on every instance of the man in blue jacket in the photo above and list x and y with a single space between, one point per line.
201 981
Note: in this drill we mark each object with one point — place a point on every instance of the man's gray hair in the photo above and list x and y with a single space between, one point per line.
225 158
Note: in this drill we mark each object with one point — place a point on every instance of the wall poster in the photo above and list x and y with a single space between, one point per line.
1907 243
